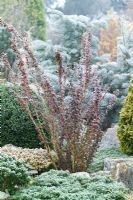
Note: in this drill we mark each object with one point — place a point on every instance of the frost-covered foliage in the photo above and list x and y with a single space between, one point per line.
71 29
92 8
102 153
13 174
45 53
65 35
116 82
125 48
116 75
67 32
61 185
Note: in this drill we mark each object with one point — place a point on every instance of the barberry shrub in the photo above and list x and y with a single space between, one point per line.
125 126
71 115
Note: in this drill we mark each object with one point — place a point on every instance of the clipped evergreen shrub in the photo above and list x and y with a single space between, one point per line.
16 126
13 174
61 185
125 125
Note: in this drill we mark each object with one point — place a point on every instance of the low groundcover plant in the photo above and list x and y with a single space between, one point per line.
61 185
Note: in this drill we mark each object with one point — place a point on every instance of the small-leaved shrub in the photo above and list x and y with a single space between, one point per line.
61 185
13 174
38 159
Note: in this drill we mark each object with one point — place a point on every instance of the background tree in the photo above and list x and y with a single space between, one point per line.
25 15
108 38
92 8
49 3
89 7
119 5
130 8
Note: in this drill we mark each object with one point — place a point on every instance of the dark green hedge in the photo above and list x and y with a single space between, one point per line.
16 126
